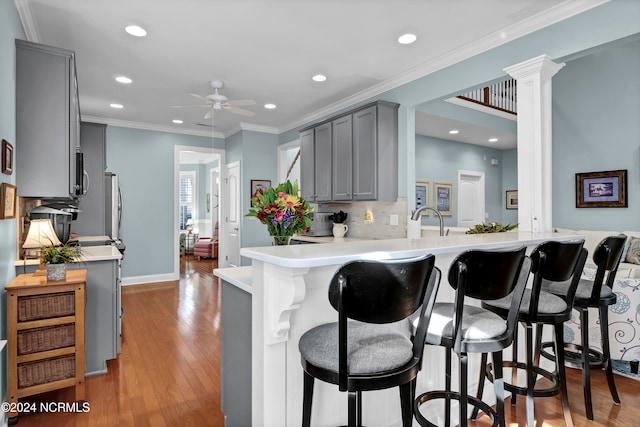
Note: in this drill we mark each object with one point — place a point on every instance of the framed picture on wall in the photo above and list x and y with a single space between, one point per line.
607 189
442 197
512 199
422 195
7 157
8 201
259 185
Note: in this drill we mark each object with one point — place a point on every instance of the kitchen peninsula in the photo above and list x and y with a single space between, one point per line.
288 290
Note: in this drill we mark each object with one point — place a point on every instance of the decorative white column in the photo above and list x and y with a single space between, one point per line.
534 142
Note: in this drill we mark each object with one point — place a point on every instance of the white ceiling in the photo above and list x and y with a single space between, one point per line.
266 51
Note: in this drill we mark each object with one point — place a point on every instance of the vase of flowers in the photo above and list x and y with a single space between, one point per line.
282 211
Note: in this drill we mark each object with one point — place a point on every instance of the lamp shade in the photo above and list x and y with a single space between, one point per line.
41 234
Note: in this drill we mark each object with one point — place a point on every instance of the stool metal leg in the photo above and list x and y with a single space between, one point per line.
307 400
479 393
606 355
498 384
464 359
562 378
514 371
406 403
447 387
586 363
531 375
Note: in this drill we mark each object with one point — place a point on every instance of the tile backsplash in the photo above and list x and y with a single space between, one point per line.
380 225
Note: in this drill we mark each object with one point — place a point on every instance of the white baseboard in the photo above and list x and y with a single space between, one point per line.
139 280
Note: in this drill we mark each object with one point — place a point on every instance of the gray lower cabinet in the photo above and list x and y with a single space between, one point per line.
235 357
362 161
47 122
91 218
103 310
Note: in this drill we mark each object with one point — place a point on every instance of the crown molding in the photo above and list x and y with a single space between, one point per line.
153 127
26 18
512 32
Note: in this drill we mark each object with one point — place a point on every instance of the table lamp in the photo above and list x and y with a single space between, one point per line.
190 225
41 233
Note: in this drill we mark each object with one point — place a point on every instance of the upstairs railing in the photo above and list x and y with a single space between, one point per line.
501 96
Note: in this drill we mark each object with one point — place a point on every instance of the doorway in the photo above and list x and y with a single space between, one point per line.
202 161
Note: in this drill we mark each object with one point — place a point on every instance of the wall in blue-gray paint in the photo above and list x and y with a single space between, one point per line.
144 161
10 29
509 182
596 127
439 160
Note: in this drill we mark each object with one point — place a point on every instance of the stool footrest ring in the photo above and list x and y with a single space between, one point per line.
552 390
442 394
573 355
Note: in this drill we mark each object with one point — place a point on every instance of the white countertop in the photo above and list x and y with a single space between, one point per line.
337 253
88 254
240 277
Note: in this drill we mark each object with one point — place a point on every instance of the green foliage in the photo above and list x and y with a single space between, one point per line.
282 210
494 227
59 254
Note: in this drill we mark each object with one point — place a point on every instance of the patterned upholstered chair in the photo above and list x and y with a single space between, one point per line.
207 247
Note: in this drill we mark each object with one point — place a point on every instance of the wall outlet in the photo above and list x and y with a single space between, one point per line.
393 219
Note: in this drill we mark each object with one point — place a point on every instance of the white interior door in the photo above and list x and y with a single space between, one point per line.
470 198
232 215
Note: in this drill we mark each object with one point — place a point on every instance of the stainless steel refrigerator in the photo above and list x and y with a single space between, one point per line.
113 207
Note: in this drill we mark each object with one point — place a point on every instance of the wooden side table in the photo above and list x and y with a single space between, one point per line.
45 336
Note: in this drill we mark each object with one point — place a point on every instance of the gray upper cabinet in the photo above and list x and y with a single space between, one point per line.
307 166
322 160
47 122
363 157
91 218
341 162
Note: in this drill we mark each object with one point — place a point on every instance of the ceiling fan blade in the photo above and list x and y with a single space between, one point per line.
195 105
241 111
241 102
202 98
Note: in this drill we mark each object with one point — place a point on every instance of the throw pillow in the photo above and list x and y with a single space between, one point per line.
633 251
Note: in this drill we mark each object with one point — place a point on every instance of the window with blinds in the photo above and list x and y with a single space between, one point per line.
187 198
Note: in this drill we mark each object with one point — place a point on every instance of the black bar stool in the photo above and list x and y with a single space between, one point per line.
466 328
596 293
362 351
552 262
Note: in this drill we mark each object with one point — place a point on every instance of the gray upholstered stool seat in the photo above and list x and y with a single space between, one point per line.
477 324
370 348
548 303
584 290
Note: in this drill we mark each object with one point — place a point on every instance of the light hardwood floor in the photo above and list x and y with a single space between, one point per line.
168 373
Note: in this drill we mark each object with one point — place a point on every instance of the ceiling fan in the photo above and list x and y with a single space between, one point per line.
218 102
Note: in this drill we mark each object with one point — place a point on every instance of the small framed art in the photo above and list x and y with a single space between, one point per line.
7 157
8 201
512 199
259 185
422 195
442 196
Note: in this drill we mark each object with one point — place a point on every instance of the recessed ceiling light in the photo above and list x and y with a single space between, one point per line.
319 78
116 106
123 79
454 131
407 38
493 139
177 121
270 106
136 31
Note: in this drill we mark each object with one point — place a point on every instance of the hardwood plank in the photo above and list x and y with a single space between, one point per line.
168 373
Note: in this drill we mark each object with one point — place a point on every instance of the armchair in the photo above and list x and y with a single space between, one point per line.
207 247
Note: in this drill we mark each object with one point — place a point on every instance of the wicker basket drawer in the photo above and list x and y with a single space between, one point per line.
43 339
46 371
35 307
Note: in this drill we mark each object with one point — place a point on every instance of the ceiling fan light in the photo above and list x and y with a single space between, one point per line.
136 31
